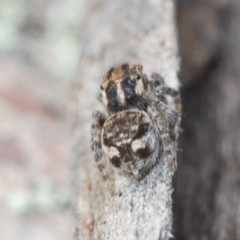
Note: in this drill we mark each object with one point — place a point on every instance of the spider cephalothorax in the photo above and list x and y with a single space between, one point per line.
143 122
122 86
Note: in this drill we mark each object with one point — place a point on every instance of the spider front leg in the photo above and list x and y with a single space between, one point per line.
169 147
97 127
167 100
170 114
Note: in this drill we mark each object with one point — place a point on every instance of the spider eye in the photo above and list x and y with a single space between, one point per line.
101 87
138 77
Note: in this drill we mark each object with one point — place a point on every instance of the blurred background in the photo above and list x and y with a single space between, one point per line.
206 198
39 50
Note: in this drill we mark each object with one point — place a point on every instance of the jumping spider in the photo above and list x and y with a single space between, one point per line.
142 125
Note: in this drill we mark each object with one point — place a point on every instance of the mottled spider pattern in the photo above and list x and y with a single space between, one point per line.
142 122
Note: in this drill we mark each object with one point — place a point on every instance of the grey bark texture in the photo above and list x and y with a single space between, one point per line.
115 32
207 190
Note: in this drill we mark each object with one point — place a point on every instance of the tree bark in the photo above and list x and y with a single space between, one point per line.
207 192
114 32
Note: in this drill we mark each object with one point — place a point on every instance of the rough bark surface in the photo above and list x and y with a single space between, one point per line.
115 32
207 190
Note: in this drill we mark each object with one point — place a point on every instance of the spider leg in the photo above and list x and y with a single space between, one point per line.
166 99
97 126
170 114
173 98
169 147
174 101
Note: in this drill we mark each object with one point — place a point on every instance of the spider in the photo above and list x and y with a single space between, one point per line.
142 124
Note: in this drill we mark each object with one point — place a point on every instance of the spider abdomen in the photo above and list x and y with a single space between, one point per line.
129 140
